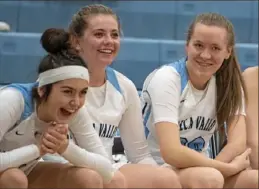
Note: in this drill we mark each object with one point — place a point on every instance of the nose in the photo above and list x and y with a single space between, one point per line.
108 39
75 102
205 54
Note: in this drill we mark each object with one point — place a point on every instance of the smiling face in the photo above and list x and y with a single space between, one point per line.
64 101
100 42
207 49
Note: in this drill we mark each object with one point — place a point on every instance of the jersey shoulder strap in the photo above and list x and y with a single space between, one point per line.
111 76
180 67
26 91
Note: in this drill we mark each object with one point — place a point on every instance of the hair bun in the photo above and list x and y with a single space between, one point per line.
55 40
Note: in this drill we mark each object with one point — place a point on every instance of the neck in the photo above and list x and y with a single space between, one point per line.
96 72
97 76
41 113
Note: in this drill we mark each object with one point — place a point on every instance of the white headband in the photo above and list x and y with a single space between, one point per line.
62 73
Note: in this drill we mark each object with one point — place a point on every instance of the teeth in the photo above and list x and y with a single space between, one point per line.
204 64
71 111
105 51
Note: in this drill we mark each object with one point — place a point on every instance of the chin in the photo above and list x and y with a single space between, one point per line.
106 61
65 119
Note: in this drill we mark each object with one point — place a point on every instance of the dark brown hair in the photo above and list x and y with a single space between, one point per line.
56 43
230 84
79 21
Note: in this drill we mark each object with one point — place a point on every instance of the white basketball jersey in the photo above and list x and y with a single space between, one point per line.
23 134
116 105
106 106
196 111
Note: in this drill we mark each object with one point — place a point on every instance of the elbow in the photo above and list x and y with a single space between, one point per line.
238 146
172 156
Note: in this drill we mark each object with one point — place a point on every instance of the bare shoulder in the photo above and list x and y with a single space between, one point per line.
251 72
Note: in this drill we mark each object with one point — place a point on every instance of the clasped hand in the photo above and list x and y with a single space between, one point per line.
54 139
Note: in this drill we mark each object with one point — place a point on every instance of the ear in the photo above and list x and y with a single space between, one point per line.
41 91
228 53
75 42
186 48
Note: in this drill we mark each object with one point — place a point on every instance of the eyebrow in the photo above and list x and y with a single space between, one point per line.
114 30
71 88
67 87
215 44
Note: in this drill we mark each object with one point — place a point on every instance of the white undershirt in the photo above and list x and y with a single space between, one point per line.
97 95
89 151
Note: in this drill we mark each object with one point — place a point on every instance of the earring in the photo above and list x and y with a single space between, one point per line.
77 47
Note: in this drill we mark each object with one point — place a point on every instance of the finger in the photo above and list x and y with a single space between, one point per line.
49 144
53 123
58 136
59 129
61 125
247 163
47 150
62 129
247 152
53 137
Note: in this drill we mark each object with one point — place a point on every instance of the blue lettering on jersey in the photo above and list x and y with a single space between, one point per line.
202 123
186 124
197 144
106 130
205 124
184 141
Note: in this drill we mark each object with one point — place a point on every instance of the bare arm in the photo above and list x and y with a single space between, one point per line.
181 156
250 76
236 144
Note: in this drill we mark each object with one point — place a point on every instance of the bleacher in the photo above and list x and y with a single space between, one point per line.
140 19
20 54
154 33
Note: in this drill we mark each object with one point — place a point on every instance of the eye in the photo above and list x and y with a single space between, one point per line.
84 91
198 45
115 35
98 34
67 92
216 49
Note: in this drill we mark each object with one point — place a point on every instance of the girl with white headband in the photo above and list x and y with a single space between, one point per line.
35 119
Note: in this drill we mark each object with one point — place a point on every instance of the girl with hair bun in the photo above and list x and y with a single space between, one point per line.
35 120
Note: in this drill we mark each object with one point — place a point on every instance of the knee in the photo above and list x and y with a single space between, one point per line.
207 178
86 178
166 178
251 179
13 178
118 181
